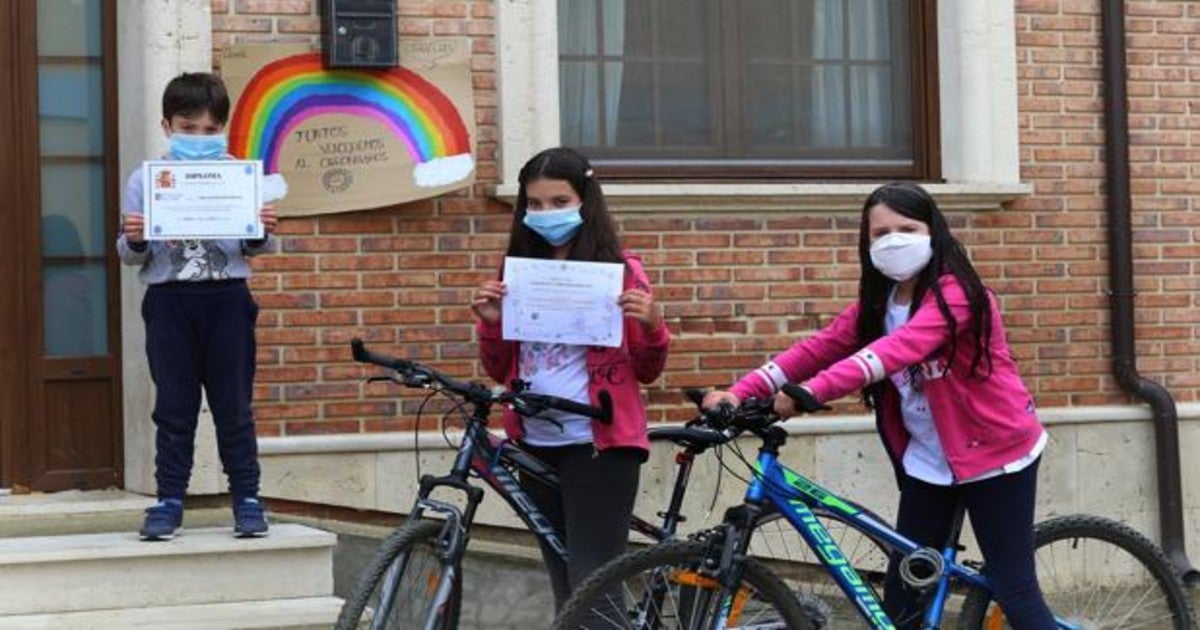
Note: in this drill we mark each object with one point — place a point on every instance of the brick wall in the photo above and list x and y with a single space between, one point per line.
1048 253
736 289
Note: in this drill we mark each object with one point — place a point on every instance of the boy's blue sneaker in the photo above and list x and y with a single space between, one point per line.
249 518
163 520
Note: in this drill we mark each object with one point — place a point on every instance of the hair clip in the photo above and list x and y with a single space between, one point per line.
588 173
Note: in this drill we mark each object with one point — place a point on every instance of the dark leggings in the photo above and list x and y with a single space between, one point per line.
1001 511
591 508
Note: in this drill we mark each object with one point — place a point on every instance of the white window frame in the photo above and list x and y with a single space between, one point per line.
977 86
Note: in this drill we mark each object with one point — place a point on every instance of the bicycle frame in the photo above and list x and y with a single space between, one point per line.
496 462
493 460
796 497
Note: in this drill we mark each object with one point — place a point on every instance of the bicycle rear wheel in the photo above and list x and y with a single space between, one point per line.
671 586
1095 573
399 587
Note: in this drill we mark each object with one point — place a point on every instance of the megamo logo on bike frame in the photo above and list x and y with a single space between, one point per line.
537 521
863 597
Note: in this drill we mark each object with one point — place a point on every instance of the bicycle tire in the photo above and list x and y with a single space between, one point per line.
1097 573
590 606
412 544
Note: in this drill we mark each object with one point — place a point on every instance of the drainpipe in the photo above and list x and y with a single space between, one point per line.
1121 293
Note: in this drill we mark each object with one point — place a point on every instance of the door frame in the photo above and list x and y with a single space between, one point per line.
16 41
24 370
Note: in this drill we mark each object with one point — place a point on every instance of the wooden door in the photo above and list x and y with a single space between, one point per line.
60 404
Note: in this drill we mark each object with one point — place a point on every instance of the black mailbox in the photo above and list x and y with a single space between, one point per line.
359 33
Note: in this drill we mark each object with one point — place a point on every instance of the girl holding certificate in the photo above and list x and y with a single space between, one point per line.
561 214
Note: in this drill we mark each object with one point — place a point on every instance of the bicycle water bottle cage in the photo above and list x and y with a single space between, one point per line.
922 568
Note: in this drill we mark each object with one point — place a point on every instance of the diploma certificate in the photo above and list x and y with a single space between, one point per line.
203 199
563 301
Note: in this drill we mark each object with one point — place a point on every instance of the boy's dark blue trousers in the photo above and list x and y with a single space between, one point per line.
201 334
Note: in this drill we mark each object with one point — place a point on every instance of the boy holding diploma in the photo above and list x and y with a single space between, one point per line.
200 319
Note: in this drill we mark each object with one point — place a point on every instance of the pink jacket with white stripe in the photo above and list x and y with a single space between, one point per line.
640 359
983 422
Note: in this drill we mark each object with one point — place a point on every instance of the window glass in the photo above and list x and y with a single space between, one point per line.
805 82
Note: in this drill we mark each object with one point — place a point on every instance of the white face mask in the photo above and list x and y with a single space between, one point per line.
901 256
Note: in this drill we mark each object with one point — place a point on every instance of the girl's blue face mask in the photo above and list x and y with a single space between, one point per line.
558 226
198 147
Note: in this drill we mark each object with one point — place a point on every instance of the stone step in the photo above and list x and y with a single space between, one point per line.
52 574
71 512
307 613
90 512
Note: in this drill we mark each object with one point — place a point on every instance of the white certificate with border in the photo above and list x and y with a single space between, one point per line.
216 199
563 301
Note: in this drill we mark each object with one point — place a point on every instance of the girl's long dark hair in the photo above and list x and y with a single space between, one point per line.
597 240
949 256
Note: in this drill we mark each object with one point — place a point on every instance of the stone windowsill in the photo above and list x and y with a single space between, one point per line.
699 198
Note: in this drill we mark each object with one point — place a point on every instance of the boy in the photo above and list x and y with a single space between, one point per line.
199 318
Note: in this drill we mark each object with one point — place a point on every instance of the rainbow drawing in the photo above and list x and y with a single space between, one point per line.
287 92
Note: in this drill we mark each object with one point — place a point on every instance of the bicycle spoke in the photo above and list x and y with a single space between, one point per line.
1097 574
664 589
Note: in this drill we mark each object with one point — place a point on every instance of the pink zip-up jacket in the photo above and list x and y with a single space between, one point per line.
983 422
640 359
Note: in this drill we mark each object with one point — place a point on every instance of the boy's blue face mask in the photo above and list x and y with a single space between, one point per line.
558 227
198 147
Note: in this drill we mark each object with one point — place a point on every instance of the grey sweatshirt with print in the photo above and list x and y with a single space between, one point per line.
187 260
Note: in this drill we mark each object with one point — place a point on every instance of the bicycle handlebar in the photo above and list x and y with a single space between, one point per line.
362 355
805 401
698 439
518 397
521 401
753 413
724 422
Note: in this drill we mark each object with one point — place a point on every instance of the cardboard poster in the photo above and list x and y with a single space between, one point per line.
351 139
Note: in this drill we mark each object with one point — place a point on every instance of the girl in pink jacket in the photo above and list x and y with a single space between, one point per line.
561 214
925 345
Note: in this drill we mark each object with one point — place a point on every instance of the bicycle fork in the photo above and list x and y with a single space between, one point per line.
448 549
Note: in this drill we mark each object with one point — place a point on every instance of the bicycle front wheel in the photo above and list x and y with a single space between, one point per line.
1095 573
776 543
400 586
671 586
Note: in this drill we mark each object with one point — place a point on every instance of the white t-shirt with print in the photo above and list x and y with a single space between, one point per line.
924 458
556 369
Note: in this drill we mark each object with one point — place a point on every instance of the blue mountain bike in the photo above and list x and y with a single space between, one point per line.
1094 572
